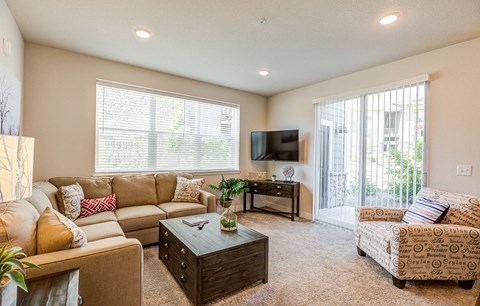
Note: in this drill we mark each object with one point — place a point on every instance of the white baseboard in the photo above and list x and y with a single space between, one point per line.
303 214
306 215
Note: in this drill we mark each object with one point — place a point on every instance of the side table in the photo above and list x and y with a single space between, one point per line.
52 290
282 189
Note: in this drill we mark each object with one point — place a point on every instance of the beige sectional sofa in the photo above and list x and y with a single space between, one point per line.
111 264
142 200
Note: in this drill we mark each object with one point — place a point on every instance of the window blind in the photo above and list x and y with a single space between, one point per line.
141 130
370 151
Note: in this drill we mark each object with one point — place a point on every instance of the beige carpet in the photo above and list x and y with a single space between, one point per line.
310 264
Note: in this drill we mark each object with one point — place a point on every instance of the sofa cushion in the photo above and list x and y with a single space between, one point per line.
49 190
464 209
18 223
95 206
102 230
93 187
39 200
425 211
166 184
104 216
69 199
139 217
55 232
188 190
181 209
133 190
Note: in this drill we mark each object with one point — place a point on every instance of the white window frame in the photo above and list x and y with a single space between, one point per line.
234 170
361 93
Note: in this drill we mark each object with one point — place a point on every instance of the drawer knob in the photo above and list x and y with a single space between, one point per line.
165 256
166 234
183 265
255 190
279 187
166 245
183 279
183 251
279 193
255 184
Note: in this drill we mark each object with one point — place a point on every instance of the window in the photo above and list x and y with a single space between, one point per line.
141 130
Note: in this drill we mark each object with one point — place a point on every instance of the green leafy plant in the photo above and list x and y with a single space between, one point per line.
370 187
404 180
12 267
229 223
230 188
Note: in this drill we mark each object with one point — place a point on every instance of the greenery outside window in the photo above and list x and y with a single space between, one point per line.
142 130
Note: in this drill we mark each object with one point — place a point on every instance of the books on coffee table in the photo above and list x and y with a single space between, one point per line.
194 221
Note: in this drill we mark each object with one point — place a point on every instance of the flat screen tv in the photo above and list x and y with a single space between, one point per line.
275 145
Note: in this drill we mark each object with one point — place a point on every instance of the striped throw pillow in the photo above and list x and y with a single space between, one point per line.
95 206
425 211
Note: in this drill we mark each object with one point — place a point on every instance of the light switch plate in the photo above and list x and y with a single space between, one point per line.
464 170
7 47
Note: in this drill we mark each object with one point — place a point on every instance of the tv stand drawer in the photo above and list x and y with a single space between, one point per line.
277 188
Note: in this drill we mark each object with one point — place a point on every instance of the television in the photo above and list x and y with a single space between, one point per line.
275 145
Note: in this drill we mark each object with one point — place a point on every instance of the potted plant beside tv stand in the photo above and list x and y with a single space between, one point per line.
283 189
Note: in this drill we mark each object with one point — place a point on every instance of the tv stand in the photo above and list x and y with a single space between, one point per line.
283 189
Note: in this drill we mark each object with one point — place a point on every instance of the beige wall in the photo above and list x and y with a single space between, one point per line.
454 134
60 107
9 30
12 64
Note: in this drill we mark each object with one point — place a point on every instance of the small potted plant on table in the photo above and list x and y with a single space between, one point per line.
229 188
12 274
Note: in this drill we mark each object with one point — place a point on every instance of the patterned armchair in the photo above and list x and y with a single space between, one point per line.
449 250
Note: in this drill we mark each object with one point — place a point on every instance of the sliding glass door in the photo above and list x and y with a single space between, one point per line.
369 152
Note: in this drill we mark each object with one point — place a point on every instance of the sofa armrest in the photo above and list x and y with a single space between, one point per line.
111 270
208 199
445 250
379 214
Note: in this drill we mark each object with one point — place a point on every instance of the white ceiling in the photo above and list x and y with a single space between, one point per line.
220 41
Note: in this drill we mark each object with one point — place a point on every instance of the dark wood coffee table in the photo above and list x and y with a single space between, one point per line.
209 263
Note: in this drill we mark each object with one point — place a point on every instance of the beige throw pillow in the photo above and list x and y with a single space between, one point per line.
18 224
70 198
55 232
188 190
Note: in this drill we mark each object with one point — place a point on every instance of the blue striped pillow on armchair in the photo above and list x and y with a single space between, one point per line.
425 211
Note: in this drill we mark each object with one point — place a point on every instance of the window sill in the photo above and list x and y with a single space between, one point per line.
195 173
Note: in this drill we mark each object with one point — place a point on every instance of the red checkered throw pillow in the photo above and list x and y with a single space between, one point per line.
94 206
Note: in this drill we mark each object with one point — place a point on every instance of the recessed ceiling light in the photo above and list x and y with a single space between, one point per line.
142 33
264 72
262 20
390 18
